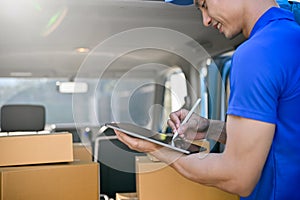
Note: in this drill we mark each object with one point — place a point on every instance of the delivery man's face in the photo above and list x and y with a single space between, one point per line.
226 19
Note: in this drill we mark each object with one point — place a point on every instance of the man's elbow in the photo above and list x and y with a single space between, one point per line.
242 187
245 191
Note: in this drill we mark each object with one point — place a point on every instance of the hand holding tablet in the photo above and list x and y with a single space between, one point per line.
165 140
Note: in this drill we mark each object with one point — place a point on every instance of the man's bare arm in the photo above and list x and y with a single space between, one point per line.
217 131
238 168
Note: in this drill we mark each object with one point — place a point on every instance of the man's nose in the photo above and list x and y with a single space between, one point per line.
206 19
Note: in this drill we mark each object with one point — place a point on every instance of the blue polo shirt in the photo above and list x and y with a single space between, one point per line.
265 86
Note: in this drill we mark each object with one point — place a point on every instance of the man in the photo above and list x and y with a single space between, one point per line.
260 160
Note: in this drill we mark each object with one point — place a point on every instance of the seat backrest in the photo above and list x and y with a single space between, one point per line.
117 164
21 117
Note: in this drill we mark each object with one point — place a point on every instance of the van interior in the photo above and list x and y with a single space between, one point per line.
96 61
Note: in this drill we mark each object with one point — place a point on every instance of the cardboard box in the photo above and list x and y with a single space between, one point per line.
36 149
156 180
82 152
71 181
126 196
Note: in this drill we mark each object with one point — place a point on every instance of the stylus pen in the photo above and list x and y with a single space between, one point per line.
186 119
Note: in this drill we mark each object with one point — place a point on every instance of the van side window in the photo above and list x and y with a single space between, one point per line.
175 96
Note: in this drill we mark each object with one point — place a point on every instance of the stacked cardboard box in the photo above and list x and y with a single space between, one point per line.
82 152
154 180
36 149
43 167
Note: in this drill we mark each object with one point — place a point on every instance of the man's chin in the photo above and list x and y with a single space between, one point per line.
233 36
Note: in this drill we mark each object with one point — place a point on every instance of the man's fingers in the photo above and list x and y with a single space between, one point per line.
131 142
135 143
171 124
176 117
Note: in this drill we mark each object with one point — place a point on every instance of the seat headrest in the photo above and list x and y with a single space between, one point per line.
22 118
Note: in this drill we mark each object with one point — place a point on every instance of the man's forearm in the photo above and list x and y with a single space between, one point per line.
217 131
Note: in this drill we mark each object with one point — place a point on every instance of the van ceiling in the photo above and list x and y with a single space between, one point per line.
39 37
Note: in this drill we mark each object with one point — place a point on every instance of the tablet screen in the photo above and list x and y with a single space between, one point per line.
158 138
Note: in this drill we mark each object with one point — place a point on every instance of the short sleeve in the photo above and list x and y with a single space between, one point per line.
254 85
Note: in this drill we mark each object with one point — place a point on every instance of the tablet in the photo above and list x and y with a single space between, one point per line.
162 139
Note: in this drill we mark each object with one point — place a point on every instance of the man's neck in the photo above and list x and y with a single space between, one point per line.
253 12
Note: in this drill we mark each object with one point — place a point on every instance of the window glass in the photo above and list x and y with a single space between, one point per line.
175 95
107 100
38 91
127 101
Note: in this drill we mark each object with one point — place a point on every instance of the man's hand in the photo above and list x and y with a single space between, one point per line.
137 144
194 129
